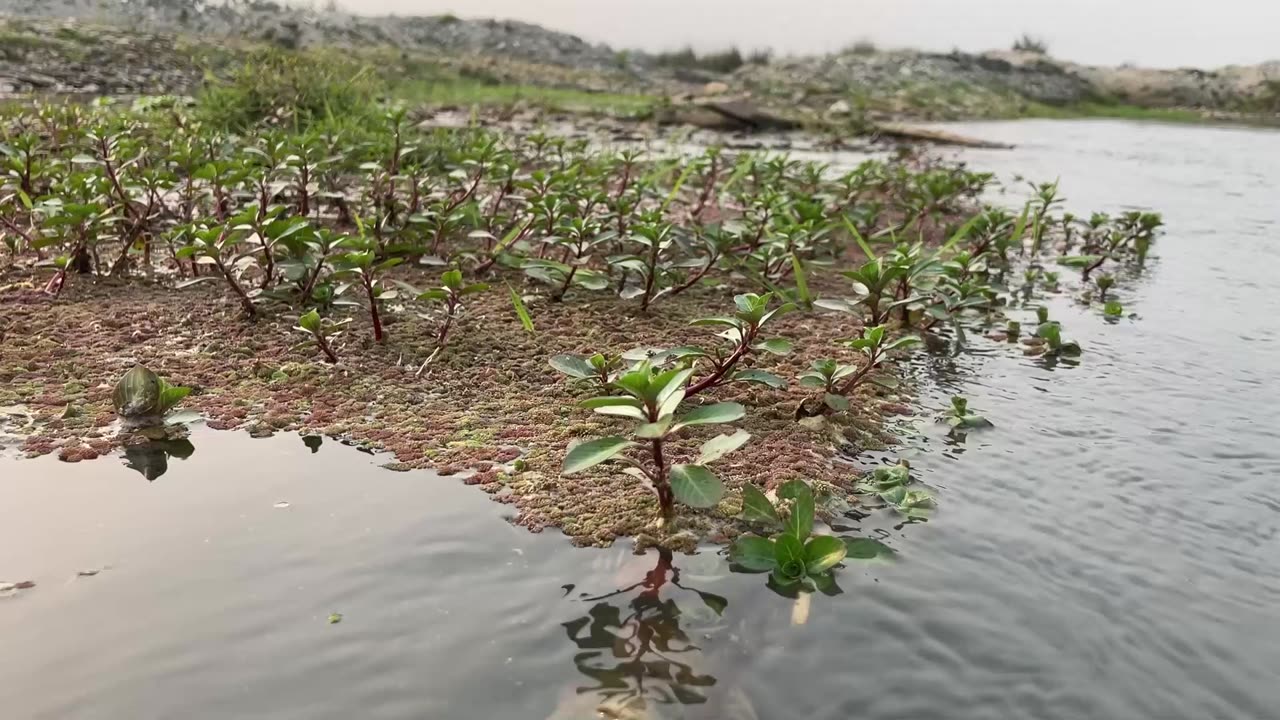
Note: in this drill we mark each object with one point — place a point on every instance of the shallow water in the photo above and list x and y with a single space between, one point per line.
1108 550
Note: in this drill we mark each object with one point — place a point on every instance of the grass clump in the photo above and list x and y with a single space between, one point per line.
296 90
723 61
1031 44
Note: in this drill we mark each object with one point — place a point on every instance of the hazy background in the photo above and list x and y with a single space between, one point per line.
1166 33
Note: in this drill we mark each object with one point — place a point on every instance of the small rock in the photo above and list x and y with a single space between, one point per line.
715 88
839 108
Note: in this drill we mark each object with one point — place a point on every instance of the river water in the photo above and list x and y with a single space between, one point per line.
1108 550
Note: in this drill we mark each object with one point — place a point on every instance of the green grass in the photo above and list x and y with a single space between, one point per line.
1111 110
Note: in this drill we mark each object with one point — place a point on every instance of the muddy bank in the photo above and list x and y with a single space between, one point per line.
490 410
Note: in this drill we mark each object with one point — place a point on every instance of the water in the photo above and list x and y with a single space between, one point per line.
1107 551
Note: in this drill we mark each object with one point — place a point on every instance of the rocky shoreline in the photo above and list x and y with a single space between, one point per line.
118 47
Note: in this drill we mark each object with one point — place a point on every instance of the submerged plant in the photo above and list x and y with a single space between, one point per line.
1113 310
958 415
793 556
651 398
1104 283
1051 333
892 486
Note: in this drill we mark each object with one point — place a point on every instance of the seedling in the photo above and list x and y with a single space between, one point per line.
651 398
839 381
959 417
450 293
323 332
362 265
1051 333
598 368
892 486
793 556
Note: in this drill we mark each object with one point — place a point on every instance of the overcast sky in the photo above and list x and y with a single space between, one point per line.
1166 33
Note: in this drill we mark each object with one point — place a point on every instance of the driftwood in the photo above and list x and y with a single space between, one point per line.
937 137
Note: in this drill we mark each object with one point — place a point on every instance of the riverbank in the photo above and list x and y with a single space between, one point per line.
171 48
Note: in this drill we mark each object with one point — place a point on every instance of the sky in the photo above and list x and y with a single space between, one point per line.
1159 33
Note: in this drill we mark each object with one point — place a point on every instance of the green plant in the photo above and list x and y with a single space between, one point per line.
794 555
361 264
1045 200
839 381
598 368
891 485
872 281
450 294
651 398
958 415
1051 333
216 246
322 331
1113 310
1031 44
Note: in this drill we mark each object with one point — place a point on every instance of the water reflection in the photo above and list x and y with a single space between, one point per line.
637 653
152 458
313 442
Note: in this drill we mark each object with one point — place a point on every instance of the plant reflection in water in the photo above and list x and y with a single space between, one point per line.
637 653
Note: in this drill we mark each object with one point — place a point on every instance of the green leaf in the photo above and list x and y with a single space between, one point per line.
799 523
903 342
721 445
724 412
670 383
754 553
171 395
788 553
777 346
651 431
731 322
885 381
620 410
435 294
857 236
802 282
573 366
452 279
757 508
839 403
599 402
822 553
592 453
310 322
866 548
1079 261
762 377
521 311
696 486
